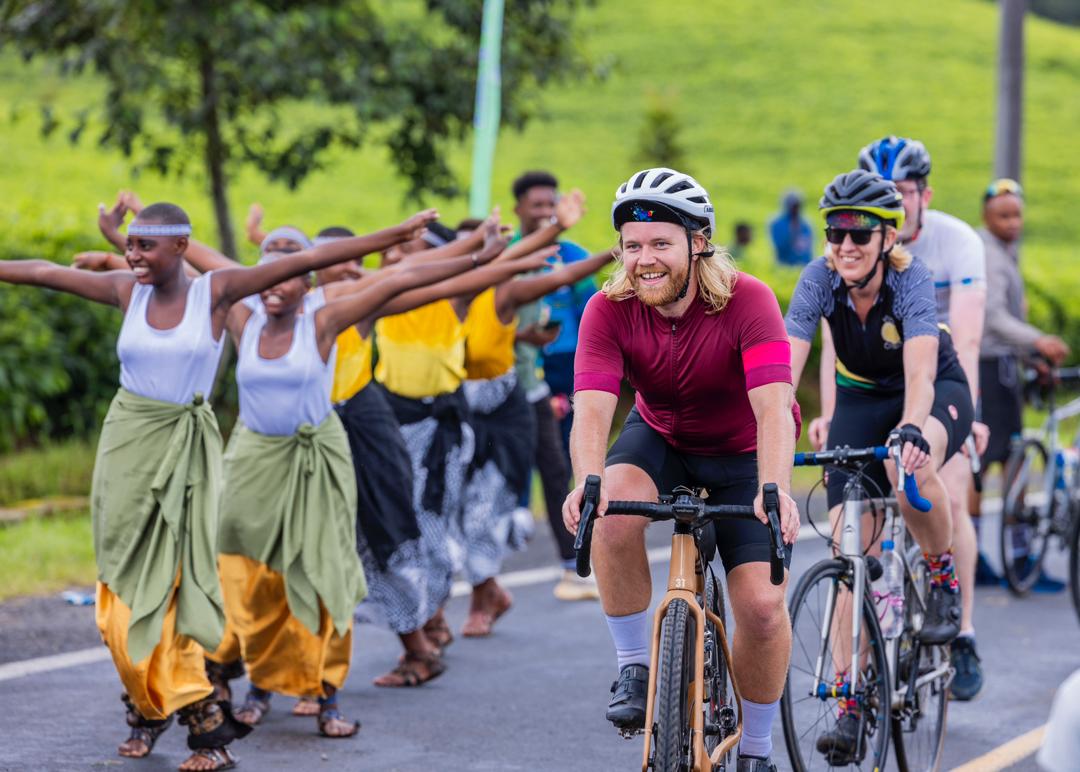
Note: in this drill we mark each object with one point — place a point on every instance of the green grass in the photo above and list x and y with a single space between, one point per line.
770 95
46 554
59 469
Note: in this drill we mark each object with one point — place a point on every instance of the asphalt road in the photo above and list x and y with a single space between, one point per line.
531 697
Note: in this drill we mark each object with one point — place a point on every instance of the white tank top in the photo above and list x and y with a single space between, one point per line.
278 395
169 365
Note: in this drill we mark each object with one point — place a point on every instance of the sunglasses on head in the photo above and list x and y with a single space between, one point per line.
859 236
1004 185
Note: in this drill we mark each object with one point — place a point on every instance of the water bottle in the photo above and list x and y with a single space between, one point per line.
891 603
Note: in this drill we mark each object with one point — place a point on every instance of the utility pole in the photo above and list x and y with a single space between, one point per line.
488 108
1008 132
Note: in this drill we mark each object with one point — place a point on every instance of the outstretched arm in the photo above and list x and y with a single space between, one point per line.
232 284
112 288
253 225
517 293
471 282
336 316
568 211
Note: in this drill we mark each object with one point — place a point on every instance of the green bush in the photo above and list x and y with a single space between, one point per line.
58 366
57 469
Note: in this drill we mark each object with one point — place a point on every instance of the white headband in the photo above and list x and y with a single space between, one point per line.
285 232
176 229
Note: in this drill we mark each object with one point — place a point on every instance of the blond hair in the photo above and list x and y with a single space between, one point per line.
716 277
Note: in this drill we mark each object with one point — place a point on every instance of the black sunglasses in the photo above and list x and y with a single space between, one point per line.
859 236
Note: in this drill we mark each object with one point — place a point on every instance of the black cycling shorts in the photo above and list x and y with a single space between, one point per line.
863 419
728 479
1001 405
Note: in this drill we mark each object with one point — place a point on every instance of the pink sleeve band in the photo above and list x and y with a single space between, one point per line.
596 382
771 352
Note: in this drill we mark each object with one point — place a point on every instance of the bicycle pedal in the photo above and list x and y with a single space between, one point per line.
629 734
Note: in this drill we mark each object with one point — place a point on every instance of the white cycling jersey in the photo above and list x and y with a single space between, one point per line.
953 252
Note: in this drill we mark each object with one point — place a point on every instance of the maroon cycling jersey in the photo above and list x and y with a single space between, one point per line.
691 373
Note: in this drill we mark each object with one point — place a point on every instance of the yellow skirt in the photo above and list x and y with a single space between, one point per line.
281 654
172 677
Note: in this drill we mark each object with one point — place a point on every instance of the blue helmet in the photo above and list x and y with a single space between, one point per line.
896 158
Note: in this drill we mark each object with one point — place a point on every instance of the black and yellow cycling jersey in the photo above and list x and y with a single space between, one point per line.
870 354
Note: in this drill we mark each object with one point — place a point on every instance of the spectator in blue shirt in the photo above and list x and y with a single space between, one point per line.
791 235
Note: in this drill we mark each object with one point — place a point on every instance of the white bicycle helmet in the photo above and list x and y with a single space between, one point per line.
675 191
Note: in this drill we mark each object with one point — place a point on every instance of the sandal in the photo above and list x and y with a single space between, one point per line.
147 734
330 712
411 668
306 706
220 758
438 631
143 730
253 709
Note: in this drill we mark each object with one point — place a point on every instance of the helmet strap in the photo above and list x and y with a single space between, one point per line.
689 265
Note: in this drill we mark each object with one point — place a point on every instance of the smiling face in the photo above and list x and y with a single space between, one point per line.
655 257
155 259
285 297
854 261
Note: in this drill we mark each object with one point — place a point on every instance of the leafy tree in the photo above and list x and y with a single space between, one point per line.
275 83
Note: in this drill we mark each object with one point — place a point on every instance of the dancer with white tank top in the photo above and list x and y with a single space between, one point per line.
290 572
154 500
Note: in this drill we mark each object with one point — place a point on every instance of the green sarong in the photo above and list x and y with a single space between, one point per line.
290 503
153 507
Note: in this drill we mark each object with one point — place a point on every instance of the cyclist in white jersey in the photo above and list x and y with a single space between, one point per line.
955 255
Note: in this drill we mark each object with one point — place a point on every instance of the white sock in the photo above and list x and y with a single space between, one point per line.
757 728
631 637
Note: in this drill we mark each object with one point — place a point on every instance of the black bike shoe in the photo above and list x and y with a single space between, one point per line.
627 707
841 743
968 680
942 622
755 764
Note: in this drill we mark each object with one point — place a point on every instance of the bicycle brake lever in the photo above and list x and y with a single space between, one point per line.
583 542
770 500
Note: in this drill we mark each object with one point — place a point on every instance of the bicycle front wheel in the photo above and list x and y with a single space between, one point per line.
1026 515
674 673
810 709
721 718
922 681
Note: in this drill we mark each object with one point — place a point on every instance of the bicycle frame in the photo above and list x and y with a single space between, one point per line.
686 581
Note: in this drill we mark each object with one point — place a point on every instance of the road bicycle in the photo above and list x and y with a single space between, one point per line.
1041 504
893 688
694 709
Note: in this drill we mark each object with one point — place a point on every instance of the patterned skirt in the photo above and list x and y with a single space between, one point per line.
504 425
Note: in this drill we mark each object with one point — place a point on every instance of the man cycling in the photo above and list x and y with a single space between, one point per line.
705 348
897 377
954 254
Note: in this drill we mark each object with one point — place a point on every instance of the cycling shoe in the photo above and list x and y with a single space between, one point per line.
841 743
628 695
942 622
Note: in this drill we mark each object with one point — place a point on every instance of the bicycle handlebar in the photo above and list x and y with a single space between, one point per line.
849 457
686 509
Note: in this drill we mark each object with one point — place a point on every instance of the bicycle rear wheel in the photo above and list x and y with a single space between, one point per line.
1026 517
807 708
674 673
918 726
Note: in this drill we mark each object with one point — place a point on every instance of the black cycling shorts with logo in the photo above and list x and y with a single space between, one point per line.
863 419
728 479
